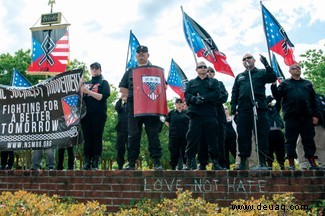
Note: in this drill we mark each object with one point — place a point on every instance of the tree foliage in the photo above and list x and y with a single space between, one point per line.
314 65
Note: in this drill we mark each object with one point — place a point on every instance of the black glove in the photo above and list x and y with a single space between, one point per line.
199 100
264 61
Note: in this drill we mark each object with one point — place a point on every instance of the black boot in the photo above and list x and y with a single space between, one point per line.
131 165
216 166
87 163
95 162
157 164
190 164
312 162
202 167
291 164
242 165
263 161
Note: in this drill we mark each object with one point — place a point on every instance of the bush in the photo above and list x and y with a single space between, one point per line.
185 205
25 203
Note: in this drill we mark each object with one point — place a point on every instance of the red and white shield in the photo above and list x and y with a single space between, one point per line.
151 86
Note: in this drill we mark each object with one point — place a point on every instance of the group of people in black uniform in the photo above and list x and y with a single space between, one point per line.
202 130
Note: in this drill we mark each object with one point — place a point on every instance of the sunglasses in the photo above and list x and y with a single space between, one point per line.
201 67
141 51
248 57
296 67
210 71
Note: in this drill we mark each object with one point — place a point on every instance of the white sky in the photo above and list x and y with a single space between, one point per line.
100 30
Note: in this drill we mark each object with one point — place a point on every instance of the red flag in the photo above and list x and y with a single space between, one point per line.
203 45
177 79
277 38
149 91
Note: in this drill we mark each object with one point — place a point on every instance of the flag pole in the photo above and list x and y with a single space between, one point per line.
127 54
267 44
13 77
190 38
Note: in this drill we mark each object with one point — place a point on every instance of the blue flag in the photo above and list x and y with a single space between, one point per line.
277 38
18 80
177 80
133 44
203 45
277 69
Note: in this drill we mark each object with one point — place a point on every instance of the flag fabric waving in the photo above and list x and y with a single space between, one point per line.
277 69
277 38
203 46
50 51
133 44
177 80
18 80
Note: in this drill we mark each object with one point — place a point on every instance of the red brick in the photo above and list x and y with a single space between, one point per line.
131 195
83 187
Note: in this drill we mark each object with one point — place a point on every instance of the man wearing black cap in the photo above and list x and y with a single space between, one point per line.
177 121
152 122
95 94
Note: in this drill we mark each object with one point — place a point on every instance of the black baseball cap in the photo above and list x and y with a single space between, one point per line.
142 48
95 65
178 100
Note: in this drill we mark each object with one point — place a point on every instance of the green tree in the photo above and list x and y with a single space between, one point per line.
314 65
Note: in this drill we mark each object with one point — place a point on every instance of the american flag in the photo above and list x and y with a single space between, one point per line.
277 38
18 80
177 80
70 109
133 44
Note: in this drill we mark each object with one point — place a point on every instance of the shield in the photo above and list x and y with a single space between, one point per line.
149 91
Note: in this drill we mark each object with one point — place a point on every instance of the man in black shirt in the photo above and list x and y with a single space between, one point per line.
121 131
152 122
242 104
300 112
202 94
203 154
177 121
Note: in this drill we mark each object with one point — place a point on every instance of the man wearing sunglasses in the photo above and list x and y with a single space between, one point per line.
203 154
202 94
301 113
242 106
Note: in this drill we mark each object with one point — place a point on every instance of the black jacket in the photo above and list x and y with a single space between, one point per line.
241 95
99 85
122 122
298 98
209 89
178 123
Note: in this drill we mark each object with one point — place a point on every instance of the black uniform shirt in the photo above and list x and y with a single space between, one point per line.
241 95
99 85
298 98
209 89
178 123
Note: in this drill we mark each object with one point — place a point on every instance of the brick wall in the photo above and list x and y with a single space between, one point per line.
114 188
